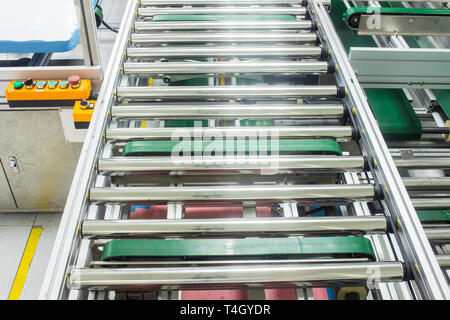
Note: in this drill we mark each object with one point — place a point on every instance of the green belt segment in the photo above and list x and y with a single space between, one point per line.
319 146
274 247
434 215
395 115
352 15
224 17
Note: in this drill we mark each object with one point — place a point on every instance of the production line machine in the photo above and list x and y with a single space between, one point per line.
232 150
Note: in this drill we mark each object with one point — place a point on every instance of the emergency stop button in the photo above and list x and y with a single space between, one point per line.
75 81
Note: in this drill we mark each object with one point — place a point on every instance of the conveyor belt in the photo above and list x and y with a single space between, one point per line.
238 248
275 170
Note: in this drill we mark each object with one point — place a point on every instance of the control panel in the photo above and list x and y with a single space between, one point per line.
82 113
47 93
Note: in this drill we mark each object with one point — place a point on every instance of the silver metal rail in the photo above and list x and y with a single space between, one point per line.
310 193
230 92
229 67
225 51
127 134
426 162
228 227
426 183
228 111
431 203
438 234
141 39
149 12
120 165
145 3
444 260
144 26
182 277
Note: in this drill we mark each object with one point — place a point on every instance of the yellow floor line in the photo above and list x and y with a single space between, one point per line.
25 263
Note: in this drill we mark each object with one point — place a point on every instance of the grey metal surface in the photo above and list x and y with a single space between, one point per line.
126 134
401 68
231 92
142 26
148 12
228 111
333 192
221 37
152 228
46 161
406 25
119 165
228 67
175 278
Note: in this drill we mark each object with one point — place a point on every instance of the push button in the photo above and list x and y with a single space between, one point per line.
52 84
64 84
18 85
29 83
41 84
75 81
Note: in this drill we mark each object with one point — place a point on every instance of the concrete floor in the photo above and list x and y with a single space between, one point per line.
15 227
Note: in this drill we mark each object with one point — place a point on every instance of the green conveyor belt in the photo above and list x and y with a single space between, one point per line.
395 115
319 146
274 247
434 215
194 17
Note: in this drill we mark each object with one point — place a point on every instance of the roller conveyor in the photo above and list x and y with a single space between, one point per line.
142 39
337 132
216 2
148 12
253 148
168 68
231 92
227 227
223 25
228 111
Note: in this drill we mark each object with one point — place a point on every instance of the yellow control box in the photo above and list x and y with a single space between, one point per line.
46 93
82 113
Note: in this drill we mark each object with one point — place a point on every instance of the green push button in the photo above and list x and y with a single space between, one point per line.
41 84
52 84
18 85
64 84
